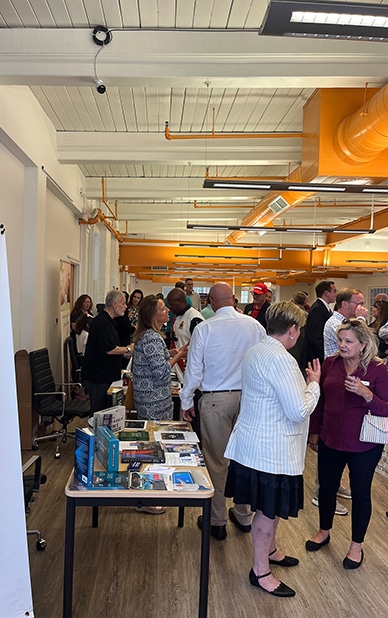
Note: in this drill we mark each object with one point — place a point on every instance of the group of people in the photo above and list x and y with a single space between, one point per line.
258 410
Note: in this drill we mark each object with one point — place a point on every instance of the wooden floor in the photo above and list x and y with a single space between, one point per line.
140 566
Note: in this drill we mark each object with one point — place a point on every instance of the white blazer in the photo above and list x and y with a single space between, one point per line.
270 434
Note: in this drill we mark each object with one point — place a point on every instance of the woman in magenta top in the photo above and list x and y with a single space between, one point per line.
353 381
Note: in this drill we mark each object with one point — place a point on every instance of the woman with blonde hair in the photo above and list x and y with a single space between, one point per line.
354 381
268 443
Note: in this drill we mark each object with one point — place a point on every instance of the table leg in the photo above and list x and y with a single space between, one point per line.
95 517
181 516
205 554
69 559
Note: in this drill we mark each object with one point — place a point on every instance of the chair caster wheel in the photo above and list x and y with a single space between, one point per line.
41 545
57 455
35 447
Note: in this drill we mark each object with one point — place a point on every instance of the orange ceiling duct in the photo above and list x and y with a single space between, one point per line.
334 142
263 214
362 136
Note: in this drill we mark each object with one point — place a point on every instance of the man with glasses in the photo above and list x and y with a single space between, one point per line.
350 303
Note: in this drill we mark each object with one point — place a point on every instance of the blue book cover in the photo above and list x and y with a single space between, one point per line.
84 455
108 449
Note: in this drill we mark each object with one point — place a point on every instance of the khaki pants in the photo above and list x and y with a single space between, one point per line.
219 412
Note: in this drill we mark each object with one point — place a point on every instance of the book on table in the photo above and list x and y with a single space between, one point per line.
135 424
110 480
190 480
151 452
189 437
175 425
107 449
134 436
178 454
114 418
85 441
147 481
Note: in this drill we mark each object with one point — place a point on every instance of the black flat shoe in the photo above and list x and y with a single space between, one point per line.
349 564
218 532
313 546
281 591
236 522
288 561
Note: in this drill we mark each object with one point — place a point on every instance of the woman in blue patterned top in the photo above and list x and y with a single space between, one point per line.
152 362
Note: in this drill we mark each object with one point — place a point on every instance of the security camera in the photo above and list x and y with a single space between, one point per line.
100 86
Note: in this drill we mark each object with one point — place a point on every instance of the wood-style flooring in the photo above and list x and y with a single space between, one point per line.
141 566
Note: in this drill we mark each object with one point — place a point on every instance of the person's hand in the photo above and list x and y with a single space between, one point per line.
355 385
188 414
313 441
313 371
183 351
361 312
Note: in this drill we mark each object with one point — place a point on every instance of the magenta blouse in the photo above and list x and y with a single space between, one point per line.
339 413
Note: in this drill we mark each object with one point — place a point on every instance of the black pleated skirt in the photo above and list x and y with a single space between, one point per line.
276 495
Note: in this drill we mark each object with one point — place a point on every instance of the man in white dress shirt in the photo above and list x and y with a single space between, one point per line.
217 348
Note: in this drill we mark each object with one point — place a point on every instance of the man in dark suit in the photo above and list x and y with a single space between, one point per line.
260 304
319 314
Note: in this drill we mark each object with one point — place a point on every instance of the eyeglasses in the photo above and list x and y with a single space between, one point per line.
353 323
355 302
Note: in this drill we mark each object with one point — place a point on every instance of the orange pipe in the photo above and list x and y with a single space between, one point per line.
214 135
101 217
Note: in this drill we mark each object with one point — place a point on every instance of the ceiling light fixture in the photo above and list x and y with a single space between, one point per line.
250 247
209 183
369 261
247 228
328 20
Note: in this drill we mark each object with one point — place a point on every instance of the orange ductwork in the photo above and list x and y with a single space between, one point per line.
362 136
263 214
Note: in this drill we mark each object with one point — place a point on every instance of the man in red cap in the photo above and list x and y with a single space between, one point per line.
260 304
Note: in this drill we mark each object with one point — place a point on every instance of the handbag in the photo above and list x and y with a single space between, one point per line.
374 429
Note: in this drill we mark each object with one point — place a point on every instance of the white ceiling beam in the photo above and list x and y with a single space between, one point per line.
74 147
184 189
227 59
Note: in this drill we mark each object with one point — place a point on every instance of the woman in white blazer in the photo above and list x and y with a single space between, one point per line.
268 444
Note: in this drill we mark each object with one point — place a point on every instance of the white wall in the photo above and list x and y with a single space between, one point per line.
42 227
11 215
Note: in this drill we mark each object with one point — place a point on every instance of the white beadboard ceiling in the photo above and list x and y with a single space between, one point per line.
201 66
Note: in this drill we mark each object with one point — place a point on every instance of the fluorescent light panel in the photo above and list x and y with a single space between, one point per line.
322 19
309 230
209 183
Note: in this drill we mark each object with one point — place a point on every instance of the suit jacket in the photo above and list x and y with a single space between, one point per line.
261 315
313 341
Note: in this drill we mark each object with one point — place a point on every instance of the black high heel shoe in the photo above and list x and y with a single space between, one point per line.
281 591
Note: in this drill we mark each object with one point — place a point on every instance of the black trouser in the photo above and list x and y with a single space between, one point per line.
98 396
331 464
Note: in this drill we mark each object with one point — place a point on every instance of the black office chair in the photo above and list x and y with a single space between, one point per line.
32 483
49 402
75 366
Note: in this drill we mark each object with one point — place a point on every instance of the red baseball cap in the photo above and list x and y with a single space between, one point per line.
260 288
